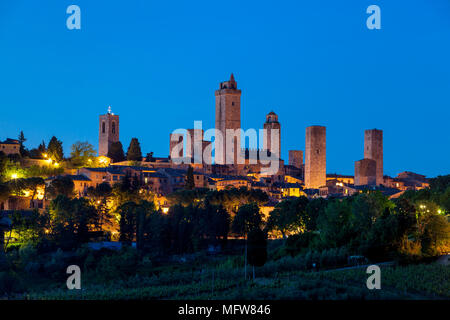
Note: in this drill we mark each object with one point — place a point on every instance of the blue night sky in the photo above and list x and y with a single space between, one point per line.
157 63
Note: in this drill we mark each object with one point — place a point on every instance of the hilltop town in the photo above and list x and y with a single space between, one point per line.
213 209
163 176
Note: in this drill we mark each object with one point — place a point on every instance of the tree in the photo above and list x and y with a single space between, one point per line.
437 231
115 152
257 249
23 151
186 197
143 212
100 195
247 219
55 150
70 220
127 222
42 148
336 225
39 152
149 157
5 225
190 183
134 151
367 208
82 154
289 216
440 183
216 222
61 186
232 198
4 191
314 209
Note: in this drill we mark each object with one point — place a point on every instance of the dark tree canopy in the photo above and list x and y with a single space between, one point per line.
61 186
190 183
247 219
55 149
134 151
116 152
22 139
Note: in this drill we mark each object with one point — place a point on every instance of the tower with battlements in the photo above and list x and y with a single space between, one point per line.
228 116
108 132
296 158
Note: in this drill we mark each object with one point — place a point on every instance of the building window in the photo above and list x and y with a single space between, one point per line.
103 127
113 127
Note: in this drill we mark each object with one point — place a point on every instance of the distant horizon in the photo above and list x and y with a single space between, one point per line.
158 65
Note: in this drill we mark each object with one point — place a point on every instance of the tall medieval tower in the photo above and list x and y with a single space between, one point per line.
315 157
272 126
228 116
108 132
373 149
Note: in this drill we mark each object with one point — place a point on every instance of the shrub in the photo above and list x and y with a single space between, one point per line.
118 265
9 283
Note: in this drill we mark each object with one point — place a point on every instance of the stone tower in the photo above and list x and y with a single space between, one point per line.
108 132
373 149
194 145
365 172
296 158
175 139
228 116
270 126
315 157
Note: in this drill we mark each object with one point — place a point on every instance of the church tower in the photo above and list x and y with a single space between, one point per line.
271 127
228 116
108 132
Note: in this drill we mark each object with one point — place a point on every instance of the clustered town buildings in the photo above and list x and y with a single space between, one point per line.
164 175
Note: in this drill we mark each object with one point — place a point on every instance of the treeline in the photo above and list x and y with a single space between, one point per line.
411 227
414 226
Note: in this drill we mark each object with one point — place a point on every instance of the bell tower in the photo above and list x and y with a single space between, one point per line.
272 127
108 132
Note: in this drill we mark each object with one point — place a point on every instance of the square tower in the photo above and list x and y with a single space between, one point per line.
296 158
194 145
108 132
228 116
315 157
176 139
373 149
365 172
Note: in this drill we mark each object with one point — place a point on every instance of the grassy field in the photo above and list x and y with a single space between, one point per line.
282 279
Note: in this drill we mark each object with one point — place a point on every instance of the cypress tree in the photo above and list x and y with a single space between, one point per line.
134 151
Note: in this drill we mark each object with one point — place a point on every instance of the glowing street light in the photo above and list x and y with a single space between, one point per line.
14 176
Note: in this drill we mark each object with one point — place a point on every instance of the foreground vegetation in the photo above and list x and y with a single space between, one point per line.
164 255
116 276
